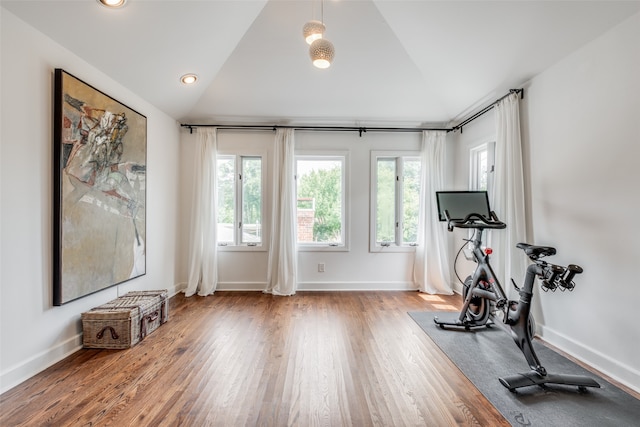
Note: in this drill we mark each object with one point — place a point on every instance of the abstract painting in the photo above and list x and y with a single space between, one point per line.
99 194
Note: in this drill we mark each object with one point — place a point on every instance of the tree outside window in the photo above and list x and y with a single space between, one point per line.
396 199
320 195
239 200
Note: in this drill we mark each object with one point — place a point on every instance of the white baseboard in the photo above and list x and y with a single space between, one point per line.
175 289
316 286
38 363
357 286
241 286
619 372
231 286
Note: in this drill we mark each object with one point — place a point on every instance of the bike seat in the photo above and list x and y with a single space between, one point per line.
534 252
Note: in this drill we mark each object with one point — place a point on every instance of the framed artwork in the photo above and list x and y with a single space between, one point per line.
99 194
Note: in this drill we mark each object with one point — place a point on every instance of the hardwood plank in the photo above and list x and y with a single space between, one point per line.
247 358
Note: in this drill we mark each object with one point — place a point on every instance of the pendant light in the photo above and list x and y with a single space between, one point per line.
321 50
313 30
322 53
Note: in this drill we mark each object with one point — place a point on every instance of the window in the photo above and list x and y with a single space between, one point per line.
321 184
240 195
481 166
395 200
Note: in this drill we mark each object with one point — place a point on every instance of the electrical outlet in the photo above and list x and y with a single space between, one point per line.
321 267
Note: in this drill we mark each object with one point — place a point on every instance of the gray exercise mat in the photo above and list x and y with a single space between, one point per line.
486 354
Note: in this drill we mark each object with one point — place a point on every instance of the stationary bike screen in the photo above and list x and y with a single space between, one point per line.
459 204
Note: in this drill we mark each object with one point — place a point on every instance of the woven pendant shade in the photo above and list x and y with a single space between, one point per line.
322 53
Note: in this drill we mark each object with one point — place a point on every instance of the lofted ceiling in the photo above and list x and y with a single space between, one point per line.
400 62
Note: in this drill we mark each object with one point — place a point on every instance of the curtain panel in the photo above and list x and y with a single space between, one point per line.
203 247
431 270
282 274
508 193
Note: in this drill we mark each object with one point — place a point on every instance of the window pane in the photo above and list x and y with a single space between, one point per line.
482 170
251 200
319 186
410 199
226 199
479 172
386 200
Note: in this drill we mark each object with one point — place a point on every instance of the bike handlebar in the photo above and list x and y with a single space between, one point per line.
475 220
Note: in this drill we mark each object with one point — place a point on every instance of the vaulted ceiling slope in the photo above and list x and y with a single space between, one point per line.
397 62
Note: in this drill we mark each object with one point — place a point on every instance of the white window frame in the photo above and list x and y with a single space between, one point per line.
342 156
488 146
236 246
398 245
474 159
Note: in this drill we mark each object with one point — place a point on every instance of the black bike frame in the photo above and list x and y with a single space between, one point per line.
482 273
516 317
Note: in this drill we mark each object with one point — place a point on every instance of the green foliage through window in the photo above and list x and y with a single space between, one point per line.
239 199
397 194
319 186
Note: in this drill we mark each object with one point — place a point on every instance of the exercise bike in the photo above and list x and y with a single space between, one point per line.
485 302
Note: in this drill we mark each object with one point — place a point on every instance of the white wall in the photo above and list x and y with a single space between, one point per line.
344 270
33 333
581 134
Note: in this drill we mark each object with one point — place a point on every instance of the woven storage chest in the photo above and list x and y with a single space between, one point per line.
126 320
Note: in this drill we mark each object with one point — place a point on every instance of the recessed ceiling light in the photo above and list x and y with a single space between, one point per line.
188 79
112 3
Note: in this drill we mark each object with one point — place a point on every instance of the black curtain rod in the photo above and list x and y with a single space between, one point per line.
359 129
485 109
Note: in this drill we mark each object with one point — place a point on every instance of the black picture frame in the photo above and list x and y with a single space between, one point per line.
99 190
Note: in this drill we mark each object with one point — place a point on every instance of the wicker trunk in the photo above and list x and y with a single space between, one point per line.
126 320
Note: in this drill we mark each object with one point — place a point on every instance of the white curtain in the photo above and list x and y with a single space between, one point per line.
431 269
203 253
283 264
508 194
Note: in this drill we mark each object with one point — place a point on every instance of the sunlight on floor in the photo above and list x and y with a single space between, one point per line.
438 302
431 298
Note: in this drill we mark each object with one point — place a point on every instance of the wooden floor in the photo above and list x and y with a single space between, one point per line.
251 359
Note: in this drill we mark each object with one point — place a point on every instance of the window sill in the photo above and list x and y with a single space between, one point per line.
391 249
322 248
242 248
